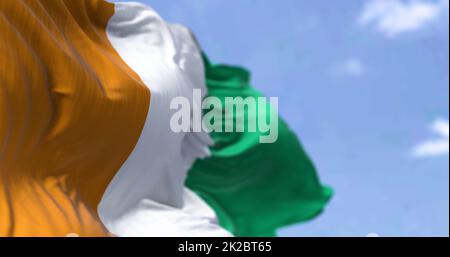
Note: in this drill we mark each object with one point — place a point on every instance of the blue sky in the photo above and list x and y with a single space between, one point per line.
365 85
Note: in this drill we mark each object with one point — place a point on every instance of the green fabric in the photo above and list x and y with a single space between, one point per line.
255 188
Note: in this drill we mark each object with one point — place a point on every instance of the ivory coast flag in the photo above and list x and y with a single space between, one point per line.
85 141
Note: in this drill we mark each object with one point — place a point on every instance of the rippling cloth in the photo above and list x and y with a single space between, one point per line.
85 141
255 188
71 112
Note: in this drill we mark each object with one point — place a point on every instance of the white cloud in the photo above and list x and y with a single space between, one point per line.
438 146
351 67
393 17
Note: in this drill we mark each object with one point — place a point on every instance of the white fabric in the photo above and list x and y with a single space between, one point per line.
147 197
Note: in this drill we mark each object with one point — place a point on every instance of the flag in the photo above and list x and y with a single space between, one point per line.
86 146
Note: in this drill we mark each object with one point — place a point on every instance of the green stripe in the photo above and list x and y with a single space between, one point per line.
255 188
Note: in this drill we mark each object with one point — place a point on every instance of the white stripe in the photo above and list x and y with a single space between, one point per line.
147 197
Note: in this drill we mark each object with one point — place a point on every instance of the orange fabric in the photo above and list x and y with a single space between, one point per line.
71 112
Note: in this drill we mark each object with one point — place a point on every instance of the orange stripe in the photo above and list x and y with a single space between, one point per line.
71 112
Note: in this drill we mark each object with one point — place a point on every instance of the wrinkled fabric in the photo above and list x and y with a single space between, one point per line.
71 112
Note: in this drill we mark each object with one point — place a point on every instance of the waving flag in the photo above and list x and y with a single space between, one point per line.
86 146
